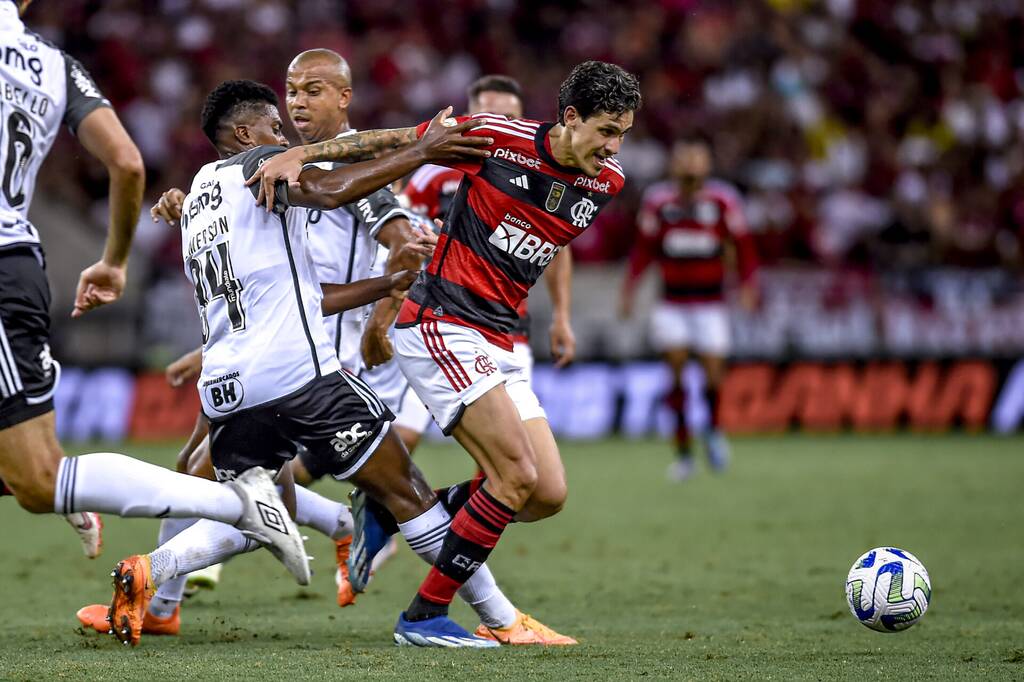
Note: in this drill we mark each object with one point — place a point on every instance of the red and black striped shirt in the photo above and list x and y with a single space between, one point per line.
511 215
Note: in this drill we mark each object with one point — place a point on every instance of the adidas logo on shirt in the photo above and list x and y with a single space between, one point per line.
521 181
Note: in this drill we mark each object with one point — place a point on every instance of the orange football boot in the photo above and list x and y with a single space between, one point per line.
133 589
346 595
525 630
95 616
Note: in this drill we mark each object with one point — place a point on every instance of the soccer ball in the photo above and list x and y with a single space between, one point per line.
888 589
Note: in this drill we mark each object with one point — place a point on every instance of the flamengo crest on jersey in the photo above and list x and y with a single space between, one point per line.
40 88
512 214
256 288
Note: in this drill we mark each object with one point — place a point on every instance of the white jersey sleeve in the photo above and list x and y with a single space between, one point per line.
256 288
343 244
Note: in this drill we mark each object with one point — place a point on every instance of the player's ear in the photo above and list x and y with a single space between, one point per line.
344 97
242 134
571 117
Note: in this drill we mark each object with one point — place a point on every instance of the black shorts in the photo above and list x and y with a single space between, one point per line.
28 375
337 417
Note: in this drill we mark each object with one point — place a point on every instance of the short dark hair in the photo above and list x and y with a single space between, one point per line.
494 83
228 99
593 87
695 137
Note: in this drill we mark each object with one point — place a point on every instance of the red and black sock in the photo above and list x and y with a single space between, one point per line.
474 532
4 490
676 401
454 498
711 396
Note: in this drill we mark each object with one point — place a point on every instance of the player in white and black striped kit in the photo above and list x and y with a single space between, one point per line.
42 88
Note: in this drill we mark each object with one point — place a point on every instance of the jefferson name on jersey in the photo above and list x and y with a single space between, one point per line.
256 288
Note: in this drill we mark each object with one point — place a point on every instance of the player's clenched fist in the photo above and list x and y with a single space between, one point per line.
168 206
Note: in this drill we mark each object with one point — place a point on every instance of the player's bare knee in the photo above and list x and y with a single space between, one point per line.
516 482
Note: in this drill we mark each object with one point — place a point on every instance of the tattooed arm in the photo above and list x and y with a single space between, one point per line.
439 143
361 146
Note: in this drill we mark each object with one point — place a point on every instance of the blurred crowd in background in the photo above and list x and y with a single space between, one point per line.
866 135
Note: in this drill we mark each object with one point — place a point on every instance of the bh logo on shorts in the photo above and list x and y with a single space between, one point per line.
224 393
344 441
484 365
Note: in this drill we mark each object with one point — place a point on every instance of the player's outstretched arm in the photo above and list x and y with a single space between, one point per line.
316 188
341 297
558 278
103 136
398 235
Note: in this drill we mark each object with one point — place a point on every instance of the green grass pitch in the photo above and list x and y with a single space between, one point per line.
732 577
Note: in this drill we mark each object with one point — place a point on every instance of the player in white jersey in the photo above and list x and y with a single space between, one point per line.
270 378
42 88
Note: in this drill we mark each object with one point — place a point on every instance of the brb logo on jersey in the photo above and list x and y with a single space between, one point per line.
224 393
345 441
511 236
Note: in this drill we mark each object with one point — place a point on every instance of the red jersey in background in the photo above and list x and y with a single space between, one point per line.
687 238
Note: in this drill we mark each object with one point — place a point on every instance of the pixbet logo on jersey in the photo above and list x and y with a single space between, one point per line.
514 240
516 157
592 183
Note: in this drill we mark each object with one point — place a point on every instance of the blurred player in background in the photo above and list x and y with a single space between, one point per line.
692 226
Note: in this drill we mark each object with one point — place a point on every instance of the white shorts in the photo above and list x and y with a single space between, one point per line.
391 386
700 327
522 355
449 366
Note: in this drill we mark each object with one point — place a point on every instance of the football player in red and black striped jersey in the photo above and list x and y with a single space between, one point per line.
688 225
542 185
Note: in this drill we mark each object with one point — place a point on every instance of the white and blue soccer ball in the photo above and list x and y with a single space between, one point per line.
888 589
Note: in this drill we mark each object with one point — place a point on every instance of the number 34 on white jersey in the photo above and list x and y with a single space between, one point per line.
256 289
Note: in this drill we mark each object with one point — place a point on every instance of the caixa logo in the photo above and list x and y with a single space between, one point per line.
344 441
224 393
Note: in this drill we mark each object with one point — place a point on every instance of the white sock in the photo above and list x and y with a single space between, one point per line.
203 544
117 484
170 593
425 534
331 518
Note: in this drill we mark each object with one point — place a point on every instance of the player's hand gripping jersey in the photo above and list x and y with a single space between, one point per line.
512 213
40 88
256 287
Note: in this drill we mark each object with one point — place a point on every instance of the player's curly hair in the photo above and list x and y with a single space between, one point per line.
593 87
228 99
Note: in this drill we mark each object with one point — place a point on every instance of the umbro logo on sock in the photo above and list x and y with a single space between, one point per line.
521 181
